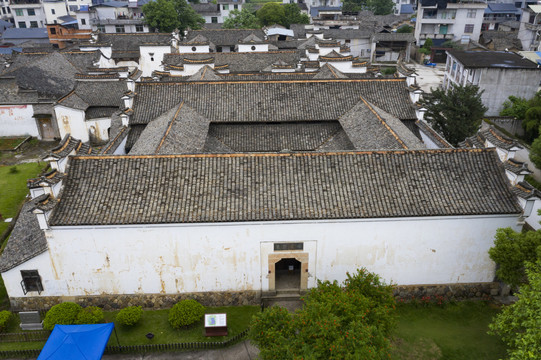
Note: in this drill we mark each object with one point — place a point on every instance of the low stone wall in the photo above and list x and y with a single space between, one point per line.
449 291
147 301
455 292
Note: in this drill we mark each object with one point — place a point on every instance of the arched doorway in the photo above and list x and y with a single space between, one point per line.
288 274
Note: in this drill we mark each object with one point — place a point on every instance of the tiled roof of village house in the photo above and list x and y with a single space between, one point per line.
51 74
52 177
333 56
408 37
96 76
433 135
252 39
526 191
108 70
516 167
118 190
272 101
69 144
277 137
240 62
494 136
26 241
207 9
492 59
131 41
198 40
95 112
115 141
135 132
95 94
225 37
11 94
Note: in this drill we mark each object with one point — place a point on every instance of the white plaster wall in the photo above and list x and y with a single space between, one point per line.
219 257
326 50
98 128
42 263
59 10
147 63
71 121
427 141
198 49
17 120
190 69
248 47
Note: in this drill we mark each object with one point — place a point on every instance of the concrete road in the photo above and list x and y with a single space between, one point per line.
429 77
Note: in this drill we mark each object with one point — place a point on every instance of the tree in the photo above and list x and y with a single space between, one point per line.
293 15
168 15
271 13
511 251
380 7
529 111
535 152
455 113
243 19
161 15
519 325
406 29
352 321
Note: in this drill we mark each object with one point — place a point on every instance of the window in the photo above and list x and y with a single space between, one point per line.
288 246
253 48
236 7
231 48
225 7
31 281
471 14
83 21
33 24
194 48
52 31
139 28
468 28
214 20
73 8
101 28
19 12
31 12
430 13
52 11
218 49
120 29
22 25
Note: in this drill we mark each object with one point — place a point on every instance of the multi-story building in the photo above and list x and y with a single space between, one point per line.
499 74
5 11
530 28
456 20
497 13
112 17
28 13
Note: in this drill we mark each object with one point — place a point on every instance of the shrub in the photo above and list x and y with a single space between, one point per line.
13 170
5 317
89 315
130 315
63 314
185 312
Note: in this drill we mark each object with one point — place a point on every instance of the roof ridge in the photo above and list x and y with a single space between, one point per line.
141 83
296 154
169 128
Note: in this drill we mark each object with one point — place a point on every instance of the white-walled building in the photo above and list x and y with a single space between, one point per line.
499 73
28 13
128 226
449 20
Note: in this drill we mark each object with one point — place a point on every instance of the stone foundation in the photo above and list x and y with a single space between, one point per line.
472 291
454 292
147 301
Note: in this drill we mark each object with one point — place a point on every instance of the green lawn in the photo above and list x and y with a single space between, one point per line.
13 188
455 331
155 321
10 143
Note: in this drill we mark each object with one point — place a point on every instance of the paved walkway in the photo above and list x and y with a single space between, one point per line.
429 77
240 351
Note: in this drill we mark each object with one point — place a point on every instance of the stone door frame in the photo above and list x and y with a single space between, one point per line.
301 257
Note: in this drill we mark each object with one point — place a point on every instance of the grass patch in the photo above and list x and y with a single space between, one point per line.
13 188
454 331
536 184
10 143
155 321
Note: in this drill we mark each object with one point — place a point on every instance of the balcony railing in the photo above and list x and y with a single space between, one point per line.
24 2
436 36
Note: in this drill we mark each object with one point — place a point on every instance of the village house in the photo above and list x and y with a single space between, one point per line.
499 74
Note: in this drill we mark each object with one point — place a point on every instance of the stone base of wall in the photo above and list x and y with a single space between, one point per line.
147 301
455 292
449 291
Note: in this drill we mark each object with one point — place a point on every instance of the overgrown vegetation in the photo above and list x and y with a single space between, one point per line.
378 7
519 324
281 14
5 318
352 321
168 15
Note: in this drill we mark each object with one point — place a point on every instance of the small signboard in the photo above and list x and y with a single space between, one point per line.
215 324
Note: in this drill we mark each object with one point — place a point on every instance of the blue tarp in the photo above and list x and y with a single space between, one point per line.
77 342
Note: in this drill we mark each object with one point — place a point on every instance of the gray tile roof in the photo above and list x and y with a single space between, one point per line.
272 101
50 74
516 167
225 37
526 191
11 94
275 137
407 37
26 241
433 135
97 94
492 59
95 112
239 62
51 178
115 141
131 41
114 190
